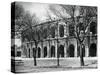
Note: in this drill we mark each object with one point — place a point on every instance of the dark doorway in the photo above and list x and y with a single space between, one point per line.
29 52
78 51
45 51
61 51
33 52
52 51
18 53
71 50
93 28
93 50
39 52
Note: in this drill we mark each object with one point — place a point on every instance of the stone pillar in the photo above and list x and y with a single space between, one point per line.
29 50
65 50
56 49
48 48
75 50
31 53
86 51
65 32
58 31
42 50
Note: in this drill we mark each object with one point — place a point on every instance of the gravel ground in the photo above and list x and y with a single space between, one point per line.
45 65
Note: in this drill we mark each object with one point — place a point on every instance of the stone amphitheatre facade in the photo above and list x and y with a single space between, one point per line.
67 43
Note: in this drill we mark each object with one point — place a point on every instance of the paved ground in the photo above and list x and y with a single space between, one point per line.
51 64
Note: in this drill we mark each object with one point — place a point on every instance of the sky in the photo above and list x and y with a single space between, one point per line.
41 9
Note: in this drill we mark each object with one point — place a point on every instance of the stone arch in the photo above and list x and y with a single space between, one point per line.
39 52
45 51
52 51
71 50
61 51
61 31
93 50
93 27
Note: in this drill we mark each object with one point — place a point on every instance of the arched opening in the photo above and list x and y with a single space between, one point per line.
45 51
61 31
53 32
61 51
52 51
93 28
29 52
93 50
71 50
39 52
18 53
45 35
33 52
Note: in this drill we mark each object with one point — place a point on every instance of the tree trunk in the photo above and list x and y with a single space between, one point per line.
30 50
81 56
57 55
35 63
58 59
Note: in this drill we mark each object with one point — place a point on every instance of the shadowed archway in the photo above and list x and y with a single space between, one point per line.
45 51
93 50
93 27
29 53
39 52
61 51
52 51
71 50
33 52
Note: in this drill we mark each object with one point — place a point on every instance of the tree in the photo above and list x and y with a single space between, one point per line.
87 13
17 13
80 32
31 33
24 23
